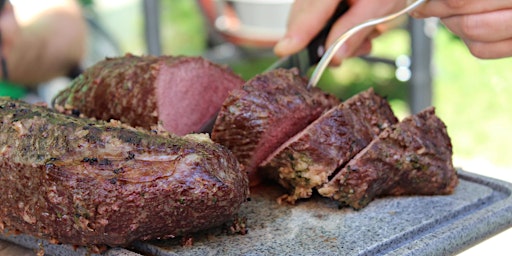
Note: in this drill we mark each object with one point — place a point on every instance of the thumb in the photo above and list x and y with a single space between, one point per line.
306 19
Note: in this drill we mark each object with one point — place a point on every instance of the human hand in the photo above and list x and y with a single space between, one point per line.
308 17
484 26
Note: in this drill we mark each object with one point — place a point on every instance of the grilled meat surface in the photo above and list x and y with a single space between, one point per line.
180 93
309 158
85 182
412 157
268 110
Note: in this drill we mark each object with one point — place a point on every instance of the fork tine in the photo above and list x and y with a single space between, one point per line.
326 58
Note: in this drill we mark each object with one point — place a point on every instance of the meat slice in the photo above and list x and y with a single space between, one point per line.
268 110
85 182
181 93
310 157
410 157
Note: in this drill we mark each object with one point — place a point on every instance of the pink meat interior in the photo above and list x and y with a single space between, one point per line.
190 93
282 130
296 137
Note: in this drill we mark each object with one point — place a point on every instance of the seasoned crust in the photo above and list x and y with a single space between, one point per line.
309 158
264 113
179 93
86 182
411 157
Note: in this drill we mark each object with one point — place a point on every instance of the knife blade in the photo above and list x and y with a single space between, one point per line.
311 55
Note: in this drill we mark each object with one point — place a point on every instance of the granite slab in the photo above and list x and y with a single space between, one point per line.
413 225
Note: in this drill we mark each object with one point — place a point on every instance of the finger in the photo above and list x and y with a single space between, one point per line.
364 49
447 8
484 27
306 19
359 12
490 50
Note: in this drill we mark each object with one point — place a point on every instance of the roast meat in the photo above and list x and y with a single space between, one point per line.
83 182
269 109
309 158
183 94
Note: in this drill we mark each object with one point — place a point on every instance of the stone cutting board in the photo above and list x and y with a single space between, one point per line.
414 225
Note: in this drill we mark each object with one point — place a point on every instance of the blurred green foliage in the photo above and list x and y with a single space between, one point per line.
183 30
474 98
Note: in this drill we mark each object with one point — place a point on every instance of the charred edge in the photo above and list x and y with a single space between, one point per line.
130 137
118 170
130 156
75 112
90 160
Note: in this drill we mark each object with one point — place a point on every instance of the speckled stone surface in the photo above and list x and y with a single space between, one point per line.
50 249
416 225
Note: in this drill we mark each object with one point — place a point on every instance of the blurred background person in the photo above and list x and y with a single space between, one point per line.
38 44
41 40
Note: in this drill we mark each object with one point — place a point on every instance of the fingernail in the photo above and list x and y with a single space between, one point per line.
284 45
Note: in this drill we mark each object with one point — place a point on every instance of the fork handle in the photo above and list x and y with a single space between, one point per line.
316 47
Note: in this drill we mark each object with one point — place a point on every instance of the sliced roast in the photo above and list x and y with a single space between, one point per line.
412 157
83 182
268 110
181 93
308 159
